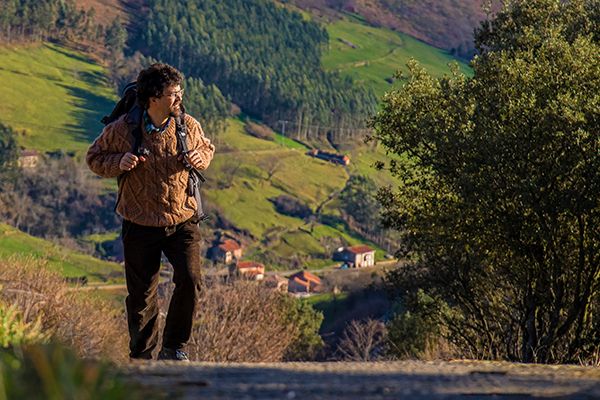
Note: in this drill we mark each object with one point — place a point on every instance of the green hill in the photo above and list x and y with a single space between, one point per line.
245 198
245 201
14 243
372 55
54 97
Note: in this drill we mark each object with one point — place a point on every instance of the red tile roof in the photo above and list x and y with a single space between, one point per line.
307 277
250 265
229 245
360 249
29 153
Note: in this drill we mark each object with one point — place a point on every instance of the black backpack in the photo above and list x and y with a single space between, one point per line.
128 105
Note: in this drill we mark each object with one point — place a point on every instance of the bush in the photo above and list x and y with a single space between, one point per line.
52 372
288 205
91 326
417 327
259 131
245 322
14 331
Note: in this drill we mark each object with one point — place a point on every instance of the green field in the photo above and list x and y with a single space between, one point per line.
244 197
370 55
52 96
14 243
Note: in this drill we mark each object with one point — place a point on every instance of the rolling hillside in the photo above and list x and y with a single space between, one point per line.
54 96
446 24
76 95
14 243
372 55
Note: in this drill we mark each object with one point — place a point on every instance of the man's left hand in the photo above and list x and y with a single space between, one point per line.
194 158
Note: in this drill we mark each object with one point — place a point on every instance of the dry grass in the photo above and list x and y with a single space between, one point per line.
91 326
240 322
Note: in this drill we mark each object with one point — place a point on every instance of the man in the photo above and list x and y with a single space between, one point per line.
159 213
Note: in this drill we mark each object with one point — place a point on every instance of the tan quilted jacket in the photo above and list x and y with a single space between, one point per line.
155 192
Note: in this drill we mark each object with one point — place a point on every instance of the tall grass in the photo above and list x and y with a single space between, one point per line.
93 327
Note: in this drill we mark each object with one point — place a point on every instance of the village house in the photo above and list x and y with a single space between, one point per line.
276 282
341 159
28 159
304 282
225 251
250 270
356 256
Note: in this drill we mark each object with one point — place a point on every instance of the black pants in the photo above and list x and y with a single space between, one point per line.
142 249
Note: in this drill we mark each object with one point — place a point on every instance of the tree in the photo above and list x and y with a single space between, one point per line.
116 37
499 204
8 149
358 202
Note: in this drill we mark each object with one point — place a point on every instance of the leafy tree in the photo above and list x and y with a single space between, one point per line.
499 204
8 149
208 104
116 37
359 203
307 321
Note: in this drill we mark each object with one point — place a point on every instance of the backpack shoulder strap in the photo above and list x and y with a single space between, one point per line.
195 178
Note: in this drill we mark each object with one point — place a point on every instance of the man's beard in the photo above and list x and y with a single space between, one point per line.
176 110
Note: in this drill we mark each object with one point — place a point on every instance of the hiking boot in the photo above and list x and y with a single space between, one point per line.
173 355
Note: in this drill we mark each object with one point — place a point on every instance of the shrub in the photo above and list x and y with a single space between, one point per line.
288 205
51 372
14 331
259 131
417 328
91 326
244 322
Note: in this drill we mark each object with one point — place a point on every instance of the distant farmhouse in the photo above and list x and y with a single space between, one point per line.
225 250
250 270
304 282
276 282
356 256
332 157
28 159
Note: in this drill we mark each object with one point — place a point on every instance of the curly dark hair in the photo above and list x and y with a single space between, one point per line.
152 81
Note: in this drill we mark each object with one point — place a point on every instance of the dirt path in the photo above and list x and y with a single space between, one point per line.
369 381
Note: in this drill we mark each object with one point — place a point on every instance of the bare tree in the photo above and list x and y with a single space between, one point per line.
271 165
362 341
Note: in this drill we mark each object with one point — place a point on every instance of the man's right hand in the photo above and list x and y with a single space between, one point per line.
129 161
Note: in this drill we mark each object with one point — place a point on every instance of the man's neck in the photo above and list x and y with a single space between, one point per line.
158 119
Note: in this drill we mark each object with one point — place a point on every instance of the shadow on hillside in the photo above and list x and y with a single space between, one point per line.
90 108
70 54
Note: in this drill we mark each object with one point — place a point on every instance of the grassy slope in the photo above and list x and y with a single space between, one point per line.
246 202
69 263
78 95
57 96
379 53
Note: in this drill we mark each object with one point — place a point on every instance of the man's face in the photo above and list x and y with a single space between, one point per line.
170 102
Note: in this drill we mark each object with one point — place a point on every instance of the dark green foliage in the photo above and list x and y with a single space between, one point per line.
416 325
359 202
115 39
39 20
207 103
291 206
307 321
264 57
8 150
499 205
